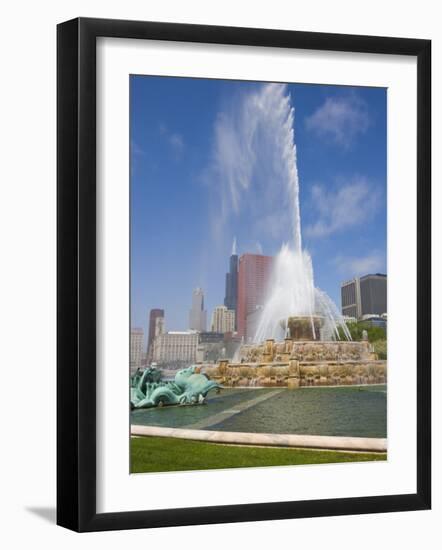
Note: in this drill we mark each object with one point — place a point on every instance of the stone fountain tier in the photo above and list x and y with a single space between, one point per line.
305 351
294 364
304 327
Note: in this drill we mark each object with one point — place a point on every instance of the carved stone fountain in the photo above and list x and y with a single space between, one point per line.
301 360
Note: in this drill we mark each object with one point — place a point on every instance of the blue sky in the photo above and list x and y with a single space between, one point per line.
193 189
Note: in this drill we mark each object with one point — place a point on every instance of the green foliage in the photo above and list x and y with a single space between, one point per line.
163 454
380 347
356 329
376 336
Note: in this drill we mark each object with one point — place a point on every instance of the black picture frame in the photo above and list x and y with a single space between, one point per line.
77 287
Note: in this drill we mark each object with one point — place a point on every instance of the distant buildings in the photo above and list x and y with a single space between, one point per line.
210 337
210 347
351 298
364 296
379 321
373 294
175 347
213 346
231 296
231 323
253 277
136 348
156 327
223 320
197 314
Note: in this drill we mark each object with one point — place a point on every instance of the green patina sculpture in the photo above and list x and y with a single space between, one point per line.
189 387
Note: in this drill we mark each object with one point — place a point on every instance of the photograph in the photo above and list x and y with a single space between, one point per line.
258 274
219 250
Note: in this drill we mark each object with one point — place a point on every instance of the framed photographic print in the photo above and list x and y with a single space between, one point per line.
243 274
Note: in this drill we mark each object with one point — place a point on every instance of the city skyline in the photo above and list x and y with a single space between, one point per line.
175 244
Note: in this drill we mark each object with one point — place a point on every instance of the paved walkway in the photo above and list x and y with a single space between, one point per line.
239 407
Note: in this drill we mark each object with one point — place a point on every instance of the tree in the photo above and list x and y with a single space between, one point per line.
356 329
376 336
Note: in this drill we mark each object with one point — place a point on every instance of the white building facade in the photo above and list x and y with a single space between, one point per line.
175 346
223 320
136 348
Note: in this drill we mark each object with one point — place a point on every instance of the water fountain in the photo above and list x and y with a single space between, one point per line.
292 292
295 363
298 338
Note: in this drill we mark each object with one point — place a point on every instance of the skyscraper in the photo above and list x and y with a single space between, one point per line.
231 297
253 277
365 295
156 327
136 348
197 314
351 298
223 320
373 294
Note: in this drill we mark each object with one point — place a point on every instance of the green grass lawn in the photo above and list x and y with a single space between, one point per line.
162 454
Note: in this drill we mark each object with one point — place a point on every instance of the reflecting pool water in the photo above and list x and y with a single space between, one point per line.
358 411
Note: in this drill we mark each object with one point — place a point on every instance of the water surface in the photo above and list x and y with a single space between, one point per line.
358 411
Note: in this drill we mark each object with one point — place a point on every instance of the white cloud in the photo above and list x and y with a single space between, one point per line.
353 266
340 118
174 139
350 205
176 142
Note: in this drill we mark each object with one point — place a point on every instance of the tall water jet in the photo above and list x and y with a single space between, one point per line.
255 161
291 291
